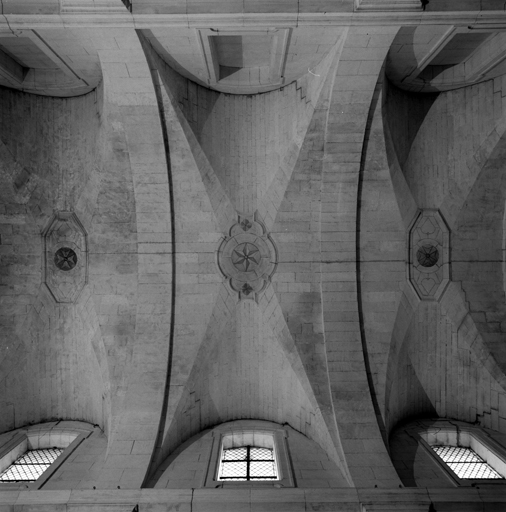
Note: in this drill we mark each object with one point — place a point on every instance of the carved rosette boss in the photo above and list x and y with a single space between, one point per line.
65 257
247 257
429 255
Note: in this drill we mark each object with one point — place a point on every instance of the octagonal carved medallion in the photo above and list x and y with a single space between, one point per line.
429 255
65 257
247 257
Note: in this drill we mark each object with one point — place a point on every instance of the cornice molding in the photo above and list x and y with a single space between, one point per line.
495 20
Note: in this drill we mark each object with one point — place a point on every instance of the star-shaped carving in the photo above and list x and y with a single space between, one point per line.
65 258
427 255
246 257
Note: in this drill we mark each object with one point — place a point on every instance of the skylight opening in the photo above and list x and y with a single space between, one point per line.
466 463
30 466
247 463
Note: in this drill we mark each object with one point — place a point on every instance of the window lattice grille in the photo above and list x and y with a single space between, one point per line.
466 463
30 465
248 463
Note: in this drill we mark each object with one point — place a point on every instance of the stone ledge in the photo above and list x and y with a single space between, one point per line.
345 499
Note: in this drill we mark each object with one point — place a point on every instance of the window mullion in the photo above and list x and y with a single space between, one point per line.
248 453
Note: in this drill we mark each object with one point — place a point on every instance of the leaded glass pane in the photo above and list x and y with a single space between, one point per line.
47 456
23 472
262 469
466 463
235 454
456 454
260 454
474 470
234 469
30 465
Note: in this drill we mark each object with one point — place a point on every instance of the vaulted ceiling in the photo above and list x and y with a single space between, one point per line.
253 201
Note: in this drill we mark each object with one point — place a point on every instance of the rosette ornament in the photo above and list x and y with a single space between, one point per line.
247 257
429 254
65 257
